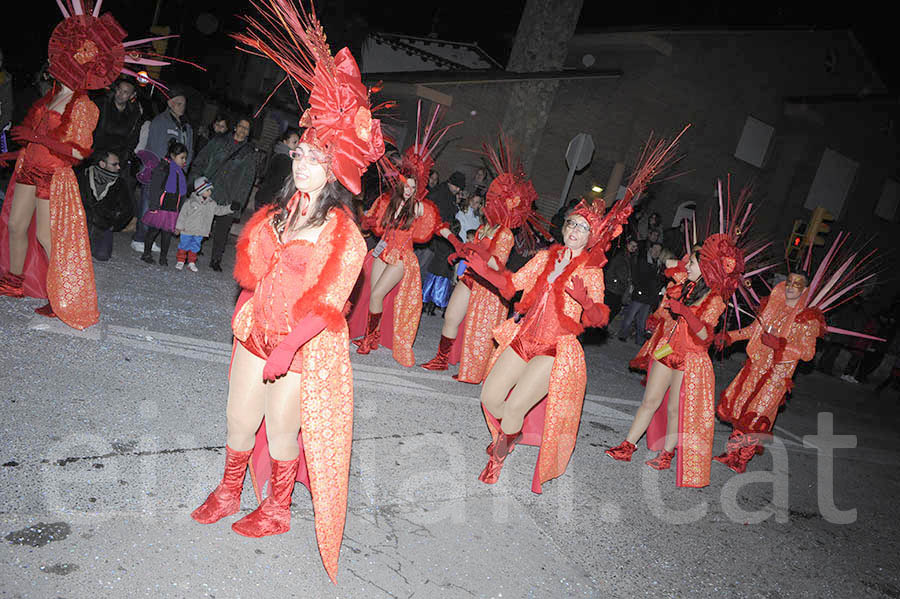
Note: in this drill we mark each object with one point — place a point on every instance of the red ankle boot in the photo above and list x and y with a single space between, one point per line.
273 516
442 359
226 498
499 450
623 451
369 342
732 449
12 285
46 310
663 460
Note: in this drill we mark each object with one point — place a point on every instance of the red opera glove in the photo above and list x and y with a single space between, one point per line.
280 359
23 135
722 340
499 279
694 323
595 314
458 248
776 343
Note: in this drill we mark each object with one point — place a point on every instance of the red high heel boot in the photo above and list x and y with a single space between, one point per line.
663 460
369 342
11 285
442 359
502 448
732 448
745 453
226 498
273 516
623 451
46 310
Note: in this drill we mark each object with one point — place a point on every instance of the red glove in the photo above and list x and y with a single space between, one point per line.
776 343
579 292
6 157
499 279
280 359
595 314
694 323
457 244
25 135
722 340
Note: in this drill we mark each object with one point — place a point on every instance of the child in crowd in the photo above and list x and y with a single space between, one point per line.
194 223
167 188
461 265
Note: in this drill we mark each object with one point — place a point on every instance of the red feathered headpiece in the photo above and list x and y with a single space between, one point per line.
510 198
721 264
418 159
89 52
593 214
339 118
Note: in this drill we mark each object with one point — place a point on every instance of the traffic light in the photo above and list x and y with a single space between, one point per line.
818 226
796 241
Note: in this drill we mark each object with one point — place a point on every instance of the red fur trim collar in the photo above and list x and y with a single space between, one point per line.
338 233
701 308
558 289
242 273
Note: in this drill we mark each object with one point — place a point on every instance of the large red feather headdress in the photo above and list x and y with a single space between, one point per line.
89 52
418 159
339 118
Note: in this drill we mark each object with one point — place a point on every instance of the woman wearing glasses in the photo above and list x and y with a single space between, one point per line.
539 354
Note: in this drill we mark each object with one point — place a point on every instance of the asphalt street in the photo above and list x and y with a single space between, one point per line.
111 436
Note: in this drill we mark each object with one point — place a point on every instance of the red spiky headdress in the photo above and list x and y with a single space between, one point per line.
89 52
593 213
656 156
509 200
418 159
339 118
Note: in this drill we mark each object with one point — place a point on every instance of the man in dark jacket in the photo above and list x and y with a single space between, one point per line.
229 162
279 167
120 121
646 282
444 197
617 277
107 201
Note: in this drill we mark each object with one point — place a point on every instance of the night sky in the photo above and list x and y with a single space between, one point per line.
492 25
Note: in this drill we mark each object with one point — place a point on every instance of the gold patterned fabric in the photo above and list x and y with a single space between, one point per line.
486 310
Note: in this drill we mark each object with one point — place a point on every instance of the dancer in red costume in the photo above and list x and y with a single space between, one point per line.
391 291
44 247
297 263
789 322
676 357
475 307
534 389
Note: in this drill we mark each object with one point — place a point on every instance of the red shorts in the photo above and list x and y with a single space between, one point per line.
255 346
37 175
527 349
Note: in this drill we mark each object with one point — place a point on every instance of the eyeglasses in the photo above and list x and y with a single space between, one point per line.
311 157
571 224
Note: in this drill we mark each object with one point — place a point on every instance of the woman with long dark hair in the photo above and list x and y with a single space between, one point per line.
290 397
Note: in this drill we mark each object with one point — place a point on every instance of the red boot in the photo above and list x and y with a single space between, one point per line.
743 455
273 516
732 448
502 448
663 461
226 498
623 451
46 310
441 360
369 341
11 285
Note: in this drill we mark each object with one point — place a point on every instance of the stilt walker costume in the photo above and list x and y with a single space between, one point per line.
789 321
559 300
509 204
85 52
396 326
290 313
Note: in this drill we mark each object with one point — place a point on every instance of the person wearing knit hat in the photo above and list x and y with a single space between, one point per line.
290 400
194 223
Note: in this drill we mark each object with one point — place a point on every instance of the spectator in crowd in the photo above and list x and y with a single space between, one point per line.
229 162
617 275
194 223
107 199
649 221
218 126
167 189
119 123
6 105
279 167
469 214
480 183
433 180
646 281
436 282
